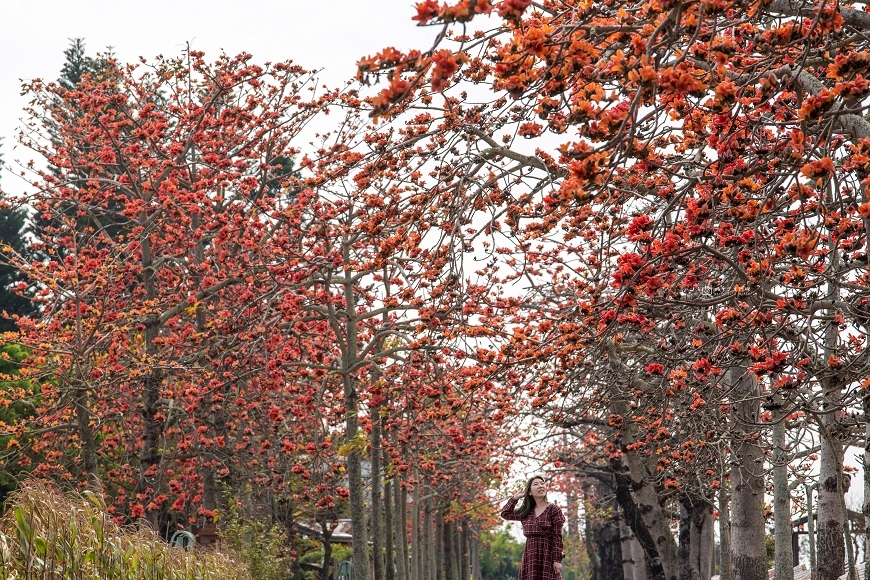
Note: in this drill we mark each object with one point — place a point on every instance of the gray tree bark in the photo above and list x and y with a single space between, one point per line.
389 537
476 573
440 552
783 557
811 532
748 554
724 532
402 527
830 539
701 552
627 555
648 505
638 559
865 507
416 548
400 541
377 501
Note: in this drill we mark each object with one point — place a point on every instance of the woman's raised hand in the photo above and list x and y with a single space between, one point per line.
519 494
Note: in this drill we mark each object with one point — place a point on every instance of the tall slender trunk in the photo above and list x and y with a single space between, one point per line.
416 547
152 424
389 538
685 539
811 533
830 540
449 551
724 531
457 555
465 561
346 327
399 531
476 573
783 557
865 507
440 548
402 531
748 553
429 560
377 500
571 515
326 534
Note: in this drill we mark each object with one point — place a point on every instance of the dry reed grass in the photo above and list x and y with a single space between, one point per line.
47 535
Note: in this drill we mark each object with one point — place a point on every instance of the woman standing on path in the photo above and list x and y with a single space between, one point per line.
542 527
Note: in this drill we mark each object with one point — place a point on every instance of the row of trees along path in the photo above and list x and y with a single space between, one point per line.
649 218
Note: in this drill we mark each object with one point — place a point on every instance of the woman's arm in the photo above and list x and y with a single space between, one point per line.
508 513
558 522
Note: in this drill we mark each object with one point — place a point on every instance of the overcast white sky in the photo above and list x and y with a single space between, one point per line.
331 34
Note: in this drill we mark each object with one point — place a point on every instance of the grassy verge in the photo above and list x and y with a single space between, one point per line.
46 535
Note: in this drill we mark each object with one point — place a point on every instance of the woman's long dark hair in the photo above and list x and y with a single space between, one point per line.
528 501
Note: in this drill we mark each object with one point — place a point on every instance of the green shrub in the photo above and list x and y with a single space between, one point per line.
261 547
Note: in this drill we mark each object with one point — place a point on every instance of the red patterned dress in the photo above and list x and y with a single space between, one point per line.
543 541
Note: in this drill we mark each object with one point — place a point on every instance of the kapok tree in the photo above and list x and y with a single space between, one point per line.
157 245
719 147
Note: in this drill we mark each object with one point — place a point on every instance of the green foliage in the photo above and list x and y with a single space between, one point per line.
12 226
47 535
770 548
500 555
78 64
261 547
13 408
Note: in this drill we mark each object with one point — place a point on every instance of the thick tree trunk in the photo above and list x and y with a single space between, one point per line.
449 551
648 506
631 512
685 539
638 558
830 541
605 536
696 533
748 553
784 558
724 532
627 556
702 550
